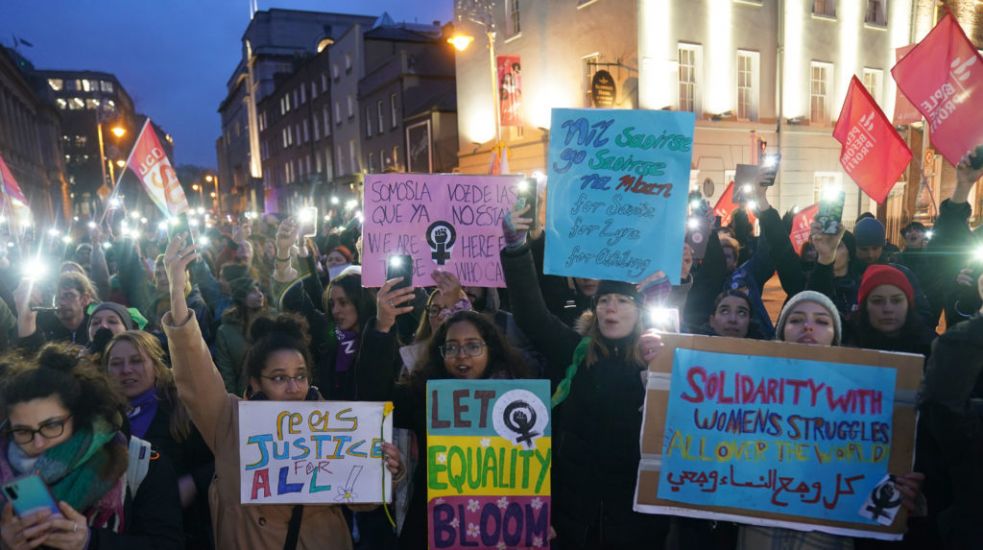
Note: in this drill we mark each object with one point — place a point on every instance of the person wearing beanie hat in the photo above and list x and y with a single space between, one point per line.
809 317
870 237
887 317
339 255
112 316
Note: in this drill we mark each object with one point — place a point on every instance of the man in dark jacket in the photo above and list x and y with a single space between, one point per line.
69 321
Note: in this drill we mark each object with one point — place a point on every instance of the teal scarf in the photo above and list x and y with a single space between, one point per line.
563 388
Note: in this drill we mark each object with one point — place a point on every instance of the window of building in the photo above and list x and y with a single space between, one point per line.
872 81
368 122
287 96
825 8
75 103
395 158
317 163
56 84
286 142
91 104
283 106
313 90
72 85
876 13
286 172
307 131
371 162
317 127
747 85
324 82
61 103
326 116
392 109
819 92
87 85
341 159
106 86
308 163
351 107
334 72
380 116
296 103
303 95
337 113
690 66
109 105
348 63
351 155
512 23
297 130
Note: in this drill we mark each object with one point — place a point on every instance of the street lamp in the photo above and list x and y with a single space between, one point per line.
118 131
198 188
217 202
481 12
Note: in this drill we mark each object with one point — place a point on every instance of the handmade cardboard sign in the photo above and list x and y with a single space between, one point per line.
777 434
313 452
618 184
488 463
447 222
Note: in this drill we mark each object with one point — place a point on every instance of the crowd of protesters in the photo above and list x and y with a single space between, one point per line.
122 370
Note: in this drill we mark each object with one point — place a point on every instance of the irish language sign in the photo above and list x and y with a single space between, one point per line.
801 442
488 463
447 222
313 452
616 200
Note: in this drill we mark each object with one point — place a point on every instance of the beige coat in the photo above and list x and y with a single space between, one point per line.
216 414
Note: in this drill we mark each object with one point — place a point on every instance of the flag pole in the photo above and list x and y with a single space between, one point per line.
123 170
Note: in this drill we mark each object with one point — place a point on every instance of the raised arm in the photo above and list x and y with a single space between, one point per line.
199 383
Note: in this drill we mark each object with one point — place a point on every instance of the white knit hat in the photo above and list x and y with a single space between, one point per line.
818 298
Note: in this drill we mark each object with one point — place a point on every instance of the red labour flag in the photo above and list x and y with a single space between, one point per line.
725 207
871 150
942 77
8 185
904 111
802 227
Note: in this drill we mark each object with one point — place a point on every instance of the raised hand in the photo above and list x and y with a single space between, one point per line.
825 243
177 257
390 303
516 227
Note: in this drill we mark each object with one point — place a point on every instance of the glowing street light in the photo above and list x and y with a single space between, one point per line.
118 131
460 41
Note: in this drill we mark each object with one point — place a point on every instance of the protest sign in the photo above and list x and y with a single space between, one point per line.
802 227
488 463
447 222
777 434
942 77
871 150
150 163
618 184
313 452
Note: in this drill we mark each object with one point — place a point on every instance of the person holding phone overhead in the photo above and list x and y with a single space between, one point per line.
65 423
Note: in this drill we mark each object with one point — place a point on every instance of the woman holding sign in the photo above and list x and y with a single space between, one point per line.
596 405
278 368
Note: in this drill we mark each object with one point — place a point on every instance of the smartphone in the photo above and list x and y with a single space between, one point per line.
664 319
698 230
830 214
307 220
29 494
768 170
400 265
527 195
976 158
745 178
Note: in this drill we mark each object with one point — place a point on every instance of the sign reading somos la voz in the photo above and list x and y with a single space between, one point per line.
488 463
779 435
313 452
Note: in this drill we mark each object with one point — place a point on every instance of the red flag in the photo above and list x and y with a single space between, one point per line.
904 111
801 227
8 185
150 163
941 76
509 90
871 150
725 207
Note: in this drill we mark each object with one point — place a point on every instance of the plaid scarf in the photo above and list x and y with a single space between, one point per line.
83 472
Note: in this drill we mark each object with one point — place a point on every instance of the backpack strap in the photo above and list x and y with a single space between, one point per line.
140 455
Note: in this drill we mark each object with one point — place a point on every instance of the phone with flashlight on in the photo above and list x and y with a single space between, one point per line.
527 195
307 221
400 265
663 319
830 213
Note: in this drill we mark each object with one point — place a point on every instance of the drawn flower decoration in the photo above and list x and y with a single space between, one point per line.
501 546
439 501
473 505
486 442
345 494
473 530
441 458
537 541
503 503
387 408
536 503
455 523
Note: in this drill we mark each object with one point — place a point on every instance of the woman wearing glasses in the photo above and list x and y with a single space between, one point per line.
277 368
466 346
64 420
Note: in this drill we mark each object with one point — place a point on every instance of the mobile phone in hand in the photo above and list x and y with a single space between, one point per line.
527 195
400 265
745 178
307 220
768 170
29 494
830 214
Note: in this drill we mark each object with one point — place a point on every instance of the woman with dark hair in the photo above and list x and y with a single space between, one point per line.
597 404
886 319
63 423
231 338
350 306
467 346
732 317
278 367
135 361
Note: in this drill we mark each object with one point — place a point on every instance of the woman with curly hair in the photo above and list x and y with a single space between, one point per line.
64 422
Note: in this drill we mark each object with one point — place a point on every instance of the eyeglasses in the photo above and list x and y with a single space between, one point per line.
470 349
48 430
281 380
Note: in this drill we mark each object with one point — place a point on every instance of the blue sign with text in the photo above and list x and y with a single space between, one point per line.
616 199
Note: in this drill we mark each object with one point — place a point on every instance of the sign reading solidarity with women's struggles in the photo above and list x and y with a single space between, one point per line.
313 452
616 201
447 222
488 463
777 434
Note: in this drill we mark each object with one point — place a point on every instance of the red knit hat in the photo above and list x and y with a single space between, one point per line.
877 275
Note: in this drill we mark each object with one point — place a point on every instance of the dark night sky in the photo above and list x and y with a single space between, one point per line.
172 56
